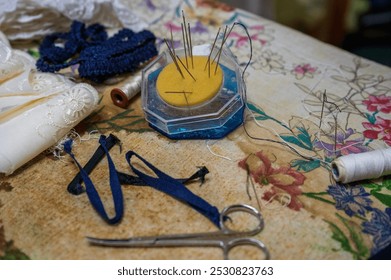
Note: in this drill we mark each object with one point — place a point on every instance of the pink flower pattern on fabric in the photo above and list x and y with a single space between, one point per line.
304 70
381 129
259 36
283 179
381 103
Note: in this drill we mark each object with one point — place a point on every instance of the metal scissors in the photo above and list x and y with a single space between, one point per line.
225 238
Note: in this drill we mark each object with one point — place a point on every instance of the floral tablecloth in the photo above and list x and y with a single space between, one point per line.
284 148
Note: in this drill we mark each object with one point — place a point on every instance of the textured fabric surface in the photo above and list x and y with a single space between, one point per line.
307 215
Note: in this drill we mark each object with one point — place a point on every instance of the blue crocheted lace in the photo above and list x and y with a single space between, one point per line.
98 56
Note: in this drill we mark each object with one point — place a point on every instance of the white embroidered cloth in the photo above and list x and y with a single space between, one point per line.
36 109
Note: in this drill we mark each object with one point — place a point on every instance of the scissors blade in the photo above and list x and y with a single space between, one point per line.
163 241
130 242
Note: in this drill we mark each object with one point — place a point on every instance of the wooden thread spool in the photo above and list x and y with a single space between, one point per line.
121 96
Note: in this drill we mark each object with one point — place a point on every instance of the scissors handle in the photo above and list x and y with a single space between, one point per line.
224 215
235 242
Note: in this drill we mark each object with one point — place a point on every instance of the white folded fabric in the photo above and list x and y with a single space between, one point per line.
36 109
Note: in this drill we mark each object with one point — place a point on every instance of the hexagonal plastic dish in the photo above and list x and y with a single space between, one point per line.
212 119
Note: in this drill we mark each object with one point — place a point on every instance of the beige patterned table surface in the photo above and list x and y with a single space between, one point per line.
307 215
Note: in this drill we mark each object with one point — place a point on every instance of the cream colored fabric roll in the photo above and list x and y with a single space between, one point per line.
36 109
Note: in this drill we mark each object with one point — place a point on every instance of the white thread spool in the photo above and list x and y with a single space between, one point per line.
132 86
356 167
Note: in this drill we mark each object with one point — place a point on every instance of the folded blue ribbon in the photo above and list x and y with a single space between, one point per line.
175 188
91 191
163 182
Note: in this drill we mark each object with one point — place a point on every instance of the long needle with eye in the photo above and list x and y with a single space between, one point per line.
187 101
172 41
186 68
249 180
210 54
191 45
335 135
184 94
323 101
219 52
184 43
336 107
186 37
225 37
174 59
181 91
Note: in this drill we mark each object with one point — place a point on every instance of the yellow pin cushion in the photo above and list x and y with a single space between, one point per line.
190 90
198 95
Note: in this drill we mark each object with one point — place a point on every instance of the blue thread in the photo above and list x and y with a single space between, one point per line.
175 188
98 57
92 193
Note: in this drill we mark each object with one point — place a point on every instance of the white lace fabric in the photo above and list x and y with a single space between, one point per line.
33 19
36 109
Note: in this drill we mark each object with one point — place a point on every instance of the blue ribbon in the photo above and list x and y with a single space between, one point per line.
176 189
163 182
92 193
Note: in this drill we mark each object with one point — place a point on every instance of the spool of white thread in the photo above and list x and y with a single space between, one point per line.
131 87
356 167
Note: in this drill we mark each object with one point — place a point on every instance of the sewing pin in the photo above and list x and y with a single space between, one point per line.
186 28
335 136
187 102
250 181
323 101
172 42
191 46
222 43
210 54
184 94
184 44
220 50
225 37
182 91
336 107
174 59
186 68
209 69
